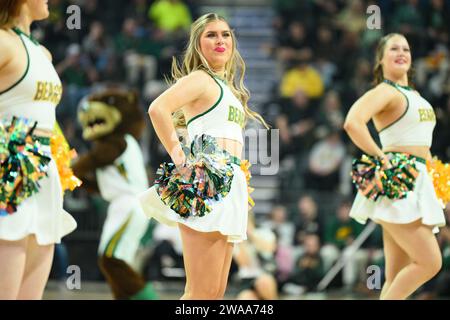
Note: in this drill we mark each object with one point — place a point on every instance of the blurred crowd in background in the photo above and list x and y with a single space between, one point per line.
324 54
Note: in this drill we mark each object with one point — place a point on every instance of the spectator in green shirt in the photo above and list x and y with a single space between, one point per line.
170 15
139 53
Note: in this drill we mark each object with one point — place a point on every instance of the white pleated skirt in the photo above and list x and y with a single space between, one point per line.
228 216
421 203
41 214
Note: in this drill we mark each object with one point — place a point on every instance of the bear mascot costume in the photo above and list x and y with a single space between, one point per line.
112 121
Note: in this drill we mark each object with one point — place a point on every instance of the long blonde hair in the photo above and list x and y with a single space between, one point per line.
193 60
378 68
9 9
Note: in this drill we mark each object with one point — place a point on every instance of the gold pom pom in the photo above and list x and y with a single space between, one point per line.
63 155
245 166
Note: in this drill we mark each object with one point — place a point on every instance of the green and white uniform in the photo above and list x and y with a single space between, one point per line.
225 119
413 128
35 96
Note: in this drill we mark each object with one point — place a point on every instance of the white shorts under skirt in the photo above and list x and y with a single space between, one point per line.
228 216
421 203
41 214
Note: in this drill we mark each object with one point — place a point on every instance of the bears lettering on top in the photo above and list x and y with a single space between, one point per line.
236 115
48 91
426 115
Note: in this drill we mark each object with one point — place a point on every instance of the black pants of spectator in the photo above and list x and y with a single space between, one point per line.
162 252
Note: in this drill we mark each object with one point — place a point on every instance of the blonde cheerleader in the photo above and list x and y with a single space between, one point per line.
205 191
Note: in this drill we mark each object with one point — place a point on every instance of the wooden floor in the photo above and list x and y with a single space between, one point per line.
167 291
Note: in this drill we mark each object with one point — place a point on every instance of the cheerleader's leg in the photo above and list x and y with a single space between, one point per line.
207 261
395 260
421 246
12 266
37 269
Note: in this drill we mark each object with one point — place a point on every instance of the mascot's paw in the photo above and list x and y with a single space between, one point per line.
147 293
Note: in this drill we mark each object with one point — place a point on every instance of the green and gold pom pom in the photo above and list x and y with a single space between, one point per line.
375 179
22 164
191 189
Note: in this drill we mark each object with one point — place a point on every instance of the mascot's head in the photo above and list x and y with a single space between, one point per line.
111 111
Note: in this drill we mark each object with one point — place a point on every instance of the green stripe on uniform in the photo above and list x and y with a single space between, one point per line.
114 242
26 70
210 109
